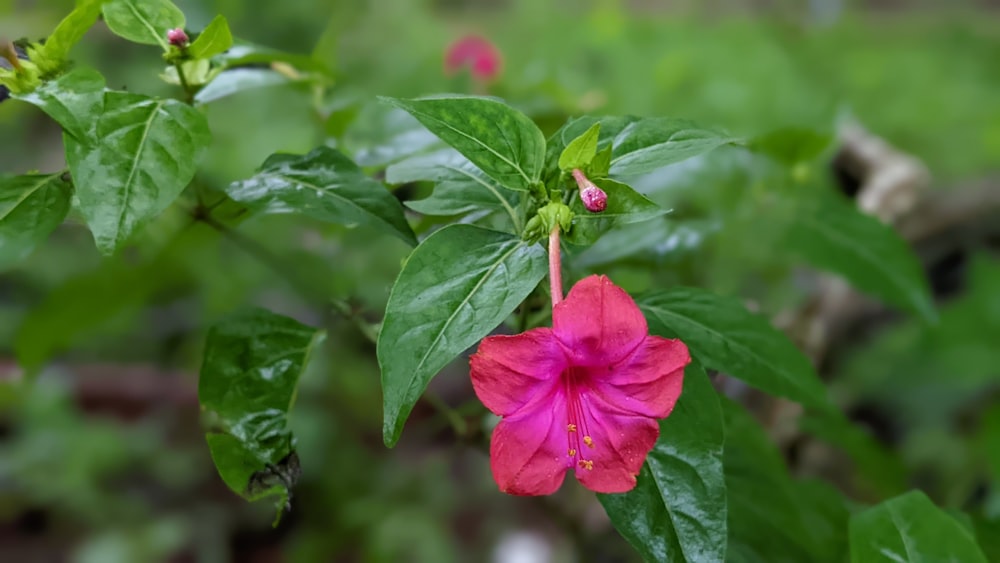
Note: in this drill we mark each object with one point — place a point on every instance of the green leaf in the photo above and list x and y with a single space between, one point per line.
456 287
137 159
581 150
460 186
238 80
600 166
381 134
640 145
215 39
791 145
31 207
677 511
68 33
625 206
74 100
910 529
724 336
249 375
773 518
324 185
503 142
143 21
832 235
243 53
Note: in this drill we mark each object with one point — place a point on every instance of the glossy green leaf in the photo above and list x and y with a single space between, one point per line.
723 335
74 100
640 145
625 206
249 375
910 529
143 21
460 186
456 287
581 150
501 141
214 39
677 511
31 207
138 158
68 33
324 185
835 236
238 80
773 518
791 145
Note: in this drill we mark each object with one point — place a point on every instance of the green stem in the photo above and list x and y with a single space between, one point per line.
188 92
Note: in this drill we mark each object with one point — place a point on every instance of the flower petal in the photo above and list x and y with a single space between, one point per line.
598 322
648 382
507 371
617 447
528 452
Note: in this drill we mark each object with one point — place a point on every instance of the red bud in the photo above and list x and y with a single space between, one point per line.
177 37
594 199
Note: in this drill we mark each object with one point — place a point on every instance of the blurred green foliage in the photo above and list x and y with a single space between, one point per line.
143 491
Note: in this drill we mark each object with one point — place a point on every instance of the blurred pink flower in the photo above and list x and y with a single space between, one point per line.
475 52
582 395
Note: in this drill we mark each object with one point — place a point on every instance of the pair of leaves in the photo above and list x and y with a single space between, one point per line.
326 186
249 375
130 155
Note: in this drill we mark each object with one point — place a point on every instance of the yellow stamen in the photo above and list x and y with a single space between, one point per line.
572 453
571 427
586 464
589 441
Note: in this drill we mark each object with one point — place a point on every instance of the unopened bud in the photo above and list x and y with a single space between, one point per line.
594 199
177 37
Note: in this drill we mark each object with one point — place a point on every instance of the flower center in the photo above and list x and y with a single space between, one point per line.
577 435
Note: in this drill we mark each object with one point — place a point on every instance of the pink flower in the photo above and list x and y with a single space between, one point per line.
476 53
582 395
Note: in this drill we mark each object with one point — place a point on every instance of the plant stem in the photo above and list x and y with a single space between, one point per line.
188 92
555 266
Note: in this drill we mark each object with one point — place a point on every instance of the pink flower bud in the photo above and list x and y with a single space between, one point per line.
177 37
475 52
594 199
